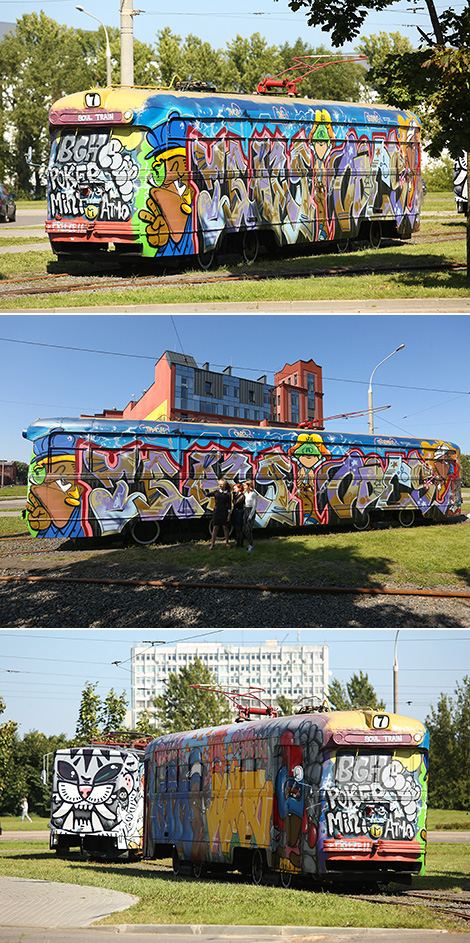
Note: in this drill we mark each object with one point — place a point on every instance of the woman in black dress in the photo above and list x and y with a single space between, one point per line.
222 512
238 496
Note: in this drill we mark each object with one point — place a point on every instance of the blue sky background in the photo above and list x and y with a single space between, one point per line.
43 673
426 385
218 24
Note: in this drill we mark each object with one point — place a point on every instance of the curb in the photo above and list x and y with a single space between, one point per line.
258 932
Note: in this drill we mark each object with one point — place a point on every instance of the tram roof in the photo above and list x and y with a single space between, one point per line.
145 429
343 727
136 103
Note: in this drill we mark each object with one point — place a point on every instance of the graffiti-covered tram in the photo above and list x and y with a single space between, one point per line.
97 477
328 796
97 799
167 175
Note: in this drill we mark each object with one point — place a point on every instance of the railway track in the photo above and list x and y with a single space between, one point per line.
110 277
454 905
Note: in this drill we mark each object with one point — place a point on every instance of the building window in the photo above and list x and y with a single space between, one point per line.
294 406
208 388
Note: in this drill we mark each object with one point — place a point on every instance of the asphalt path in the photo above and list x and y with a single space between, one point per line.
25 218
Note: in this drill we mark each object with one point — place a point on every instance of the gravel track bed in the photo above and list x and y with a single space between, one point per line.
76 605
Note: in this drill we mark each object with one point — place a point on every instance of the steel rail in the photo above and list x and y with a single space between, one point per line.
256 587
165 281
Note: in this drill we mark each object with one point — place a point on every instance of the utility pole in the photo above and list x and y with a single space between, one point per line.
395 677
127 42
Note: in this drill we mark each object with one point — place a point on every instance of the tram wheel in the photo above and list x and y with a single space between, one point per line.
197 869
145 532
375 234
361 521
285 878
250 246
343 246
206 259
406 517
176 860
258 869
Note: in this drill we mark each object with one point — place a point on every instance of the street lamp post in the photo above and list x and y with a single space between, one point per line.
108 48
371 414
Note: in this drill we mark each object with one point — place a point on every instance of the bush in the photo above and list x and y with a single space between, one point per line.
439 175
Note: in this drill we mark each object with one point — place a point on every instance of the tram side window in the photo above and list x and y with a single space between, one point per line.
112 465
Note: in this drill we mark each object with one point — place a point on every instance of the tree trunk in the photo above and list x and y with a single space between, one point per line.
435 22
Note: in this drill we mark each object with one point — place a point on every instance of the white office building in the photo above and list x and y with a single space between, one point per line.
298 672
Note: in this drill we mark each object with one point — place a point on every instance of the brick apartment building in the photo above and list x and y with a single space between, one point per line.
183 390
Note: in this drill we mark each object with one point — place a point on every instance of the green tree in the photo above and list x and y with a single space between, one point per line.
27 763
252 59
440 174
378 47
21 473
449 750
184 707
89 714
465 470
344 21
332 82
112 712
168 56
285 706
356 693
8 733
38 63
146 724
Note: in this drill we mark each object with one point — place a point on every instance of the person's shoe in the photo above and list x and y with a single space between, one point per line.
250 548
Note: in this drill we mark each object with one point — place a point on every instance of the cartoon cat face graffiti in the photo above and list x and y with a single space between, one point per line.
93 790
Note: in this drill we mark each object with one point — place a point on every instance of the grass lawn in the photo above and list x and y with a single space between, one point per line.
12 823
16 491
231 900
428 557
448 819
13 526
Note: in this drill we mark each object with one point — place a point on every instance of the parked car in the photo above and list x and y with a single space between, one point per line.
7 206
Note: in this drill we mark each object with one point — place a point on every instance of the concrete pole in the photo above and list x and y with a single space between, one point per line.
127 43
395 677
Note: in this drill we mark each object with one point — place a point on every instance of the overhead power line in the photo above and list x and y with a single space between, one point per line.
114 353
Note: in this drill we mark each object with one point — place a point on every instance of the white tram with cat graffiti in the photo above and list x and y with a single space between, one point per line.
97 799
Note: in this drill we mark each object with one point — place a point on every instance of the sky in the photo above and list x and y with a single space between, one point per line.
217 24
43 673
425 385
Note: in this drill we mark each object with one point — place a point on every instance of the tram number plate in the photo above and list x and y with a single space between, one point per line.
350 846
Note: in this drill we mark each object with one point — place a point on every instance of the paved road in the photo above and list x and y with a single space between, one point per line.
25 218
172 934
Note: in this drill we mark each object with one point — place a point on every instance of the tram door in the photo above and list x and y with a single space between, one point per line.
290 796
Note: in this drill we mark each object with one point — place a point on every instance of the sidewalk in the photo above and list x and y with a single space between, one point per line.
28 903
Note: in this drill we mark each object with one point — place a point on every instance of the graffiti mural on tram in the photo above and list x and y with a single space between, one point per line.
94 477
169 174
